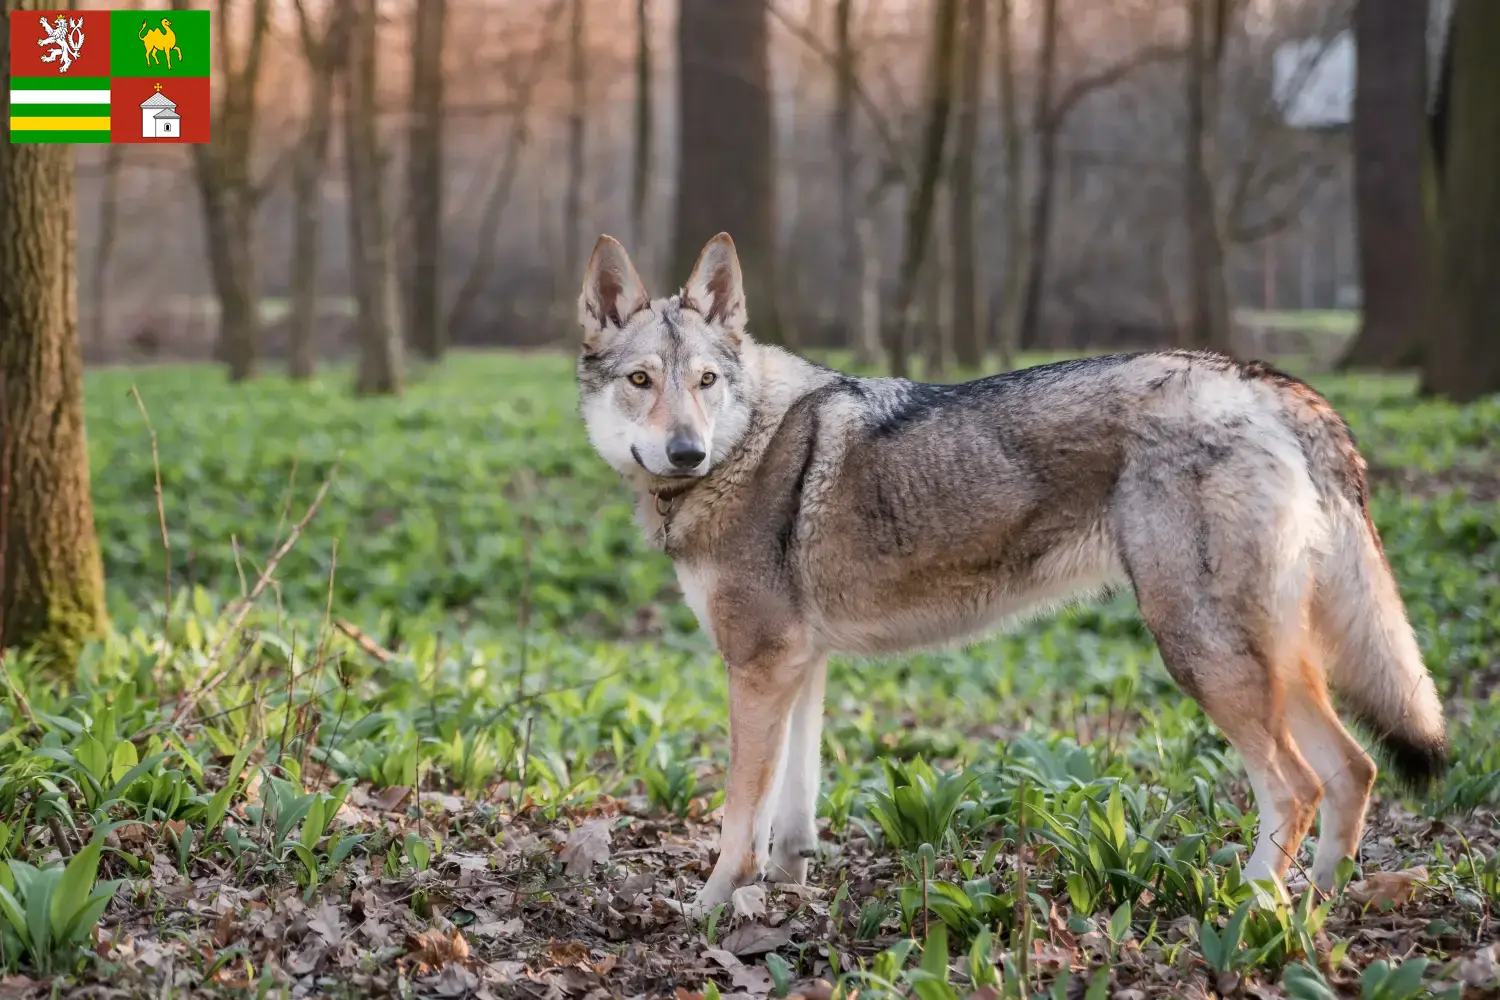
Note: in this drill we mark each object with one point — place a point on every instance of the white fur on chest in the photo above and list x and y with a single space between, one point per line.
697 583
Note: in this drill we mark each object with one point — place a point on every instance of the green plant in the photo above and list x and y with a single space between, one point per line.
919 803
50 912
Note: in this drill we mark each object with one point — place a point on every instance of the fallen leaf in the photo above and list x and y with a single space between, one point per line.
587 844
453 981
568 953
755 939
815 989
749 901
499 928
328 923
753 979
725 958
434 948
1382 889
1483 969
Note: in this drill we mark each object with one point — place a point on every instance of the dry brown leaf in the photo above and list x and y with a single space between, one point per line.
814 989
434 948
1382 889
749 901
225 929
390 798
587 844
753 979
453 981
568 953
328 923
755 939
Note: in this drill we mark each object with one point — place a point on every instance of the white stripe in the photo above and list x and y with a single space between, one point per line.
59 97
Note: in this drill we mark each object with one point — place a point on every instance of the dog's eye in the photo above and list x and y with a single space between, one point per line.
708 379
639 379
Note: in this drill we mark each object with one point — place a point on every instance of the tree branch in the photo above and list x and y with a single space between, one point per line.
1081 88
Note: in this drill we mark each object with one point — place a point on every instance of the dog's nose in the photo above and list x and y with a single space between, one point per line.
685 452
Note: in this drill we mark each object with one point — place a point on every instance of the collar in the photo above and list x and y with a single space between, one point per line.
665 498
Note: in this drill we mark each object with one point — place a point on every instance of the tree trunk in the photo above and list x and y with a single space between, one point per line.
868 349
726 178
1462 360
1209 318
968 324
1389 113
324 51
847 160
51 575
109 214
1017 246
640 177
920 202
1048 126
572 224
371 252
230 197
424 314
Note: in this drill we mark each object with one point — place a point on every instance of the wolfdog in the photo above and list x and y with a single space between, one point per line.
809 512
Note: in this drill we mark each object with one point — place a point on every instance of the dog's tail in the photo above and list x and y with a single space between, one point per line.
1371 655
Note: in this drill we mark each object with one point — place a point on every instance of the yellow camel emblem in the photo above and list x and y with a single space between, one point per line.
159 40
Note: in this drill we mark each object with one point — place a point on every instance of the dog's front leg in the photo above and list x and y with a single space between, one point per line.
761 694
794 830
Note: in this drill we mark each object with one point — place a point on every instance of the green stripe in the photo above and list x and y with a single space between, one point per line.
82 135
59 110
59 82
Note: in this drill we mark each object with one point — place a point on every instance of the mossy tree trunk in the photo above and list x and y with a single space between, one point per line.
51 576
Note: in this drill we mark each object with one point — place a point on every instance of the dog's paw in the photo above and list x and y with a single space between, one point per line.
790 864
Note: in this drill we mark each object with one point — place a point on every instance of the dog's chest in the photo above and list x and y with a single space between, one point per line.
697 583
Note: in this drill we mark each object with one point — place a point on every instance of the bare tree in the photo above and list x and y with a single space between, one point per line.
920 201
324 50
104 248
573 197
1048 127
1017 244
640 177
1208 321
230 195
725 164
424 195
1462 360
482 261
51 575
372 266
849 280
968 339
1390 107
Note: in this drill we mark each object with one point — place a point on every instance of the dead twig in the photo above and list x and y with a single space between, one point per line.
364 642
242 608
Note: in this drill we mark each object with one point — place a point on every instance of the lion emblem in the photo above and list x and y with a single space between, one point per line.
67 37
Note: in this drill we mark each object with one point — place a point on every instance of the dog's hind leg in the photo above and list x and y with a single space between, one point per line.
762 692
794 828
1221 572
1344 769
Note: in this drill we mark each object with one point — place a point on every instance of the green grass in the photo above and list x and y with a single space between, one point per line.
516 653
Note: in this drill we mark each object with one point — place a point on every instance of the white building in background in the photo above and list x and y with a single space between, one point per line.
159 118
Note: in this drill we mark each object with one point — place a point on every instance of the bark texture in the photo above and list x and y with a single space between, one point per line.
1390 108
51 575
725 164
1462 360
968 325
921 201
372 264
424 179
229 194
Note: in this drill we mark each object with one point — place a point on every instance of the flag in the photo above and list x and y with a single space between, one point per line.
109 76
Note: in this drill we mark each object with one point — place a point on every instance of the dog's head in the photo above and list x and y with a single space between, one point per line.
661 384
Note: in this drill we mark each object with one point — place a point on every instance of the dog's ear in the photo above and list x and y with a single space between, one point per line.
716 288
612 293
